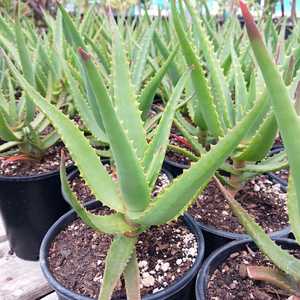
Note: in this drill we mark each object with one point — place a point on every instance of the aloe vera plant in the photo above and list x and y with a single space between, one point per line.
225 89
21 139
138 161
22 128
287 275
147 73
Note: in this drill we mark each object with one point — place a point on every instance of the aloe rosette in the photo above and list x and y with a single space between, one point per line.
22 128
287 275
226 84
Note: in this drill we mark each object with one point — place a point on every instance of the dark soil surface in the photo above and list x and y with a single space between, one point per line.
263 199
230 282
85 195
77 258
49 163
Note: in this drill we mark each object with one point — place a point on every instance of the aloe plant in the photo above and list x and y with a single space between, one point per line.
287 275
22 129
138 161
225 89
22 139
147 74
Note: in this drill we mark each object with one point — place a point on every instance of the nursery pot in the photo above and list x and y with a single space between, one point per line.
221 254
275 150
29 206
182 289
174 168
216 238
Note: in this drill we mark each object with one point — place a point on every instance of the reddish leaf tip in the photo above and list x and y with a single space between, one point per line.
83 54
249 21
245 10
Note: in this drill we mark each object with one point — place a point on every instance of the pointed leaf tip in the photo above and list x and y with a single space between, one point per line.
83 54
249 21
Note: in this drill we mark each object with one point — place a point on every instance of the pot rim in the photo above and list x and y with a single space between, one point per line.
171 290
218 257
37 177
240 236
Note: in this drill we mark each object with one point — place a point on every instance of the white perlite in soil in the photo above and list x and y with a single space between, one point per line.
163 272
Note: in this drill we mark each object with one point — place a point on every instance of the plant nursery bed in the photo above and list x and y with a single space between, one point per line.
19 279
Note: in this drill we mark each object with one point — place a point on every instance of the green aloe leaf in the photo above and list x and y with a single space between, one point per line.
155 153
132 279
83 107
220 89
101 54
173 70
124 95
262 142
265 109
74 39
87 20
110 224
133 184
293 209
241 94
6 133
207 106
49 140
140 61
118 257
6 30
25 58
88 164
272 164
286 115
72 35
147 95
26 62
175 199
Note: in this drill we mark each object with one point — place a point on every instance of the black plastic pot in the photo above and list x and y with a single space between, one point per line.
174 168
29 206
183 289
215 238
276 149
277 179
220 255
273 176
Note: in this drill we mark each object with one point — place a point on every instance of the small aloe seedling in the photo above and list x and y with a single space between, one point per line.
138 162
287 276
